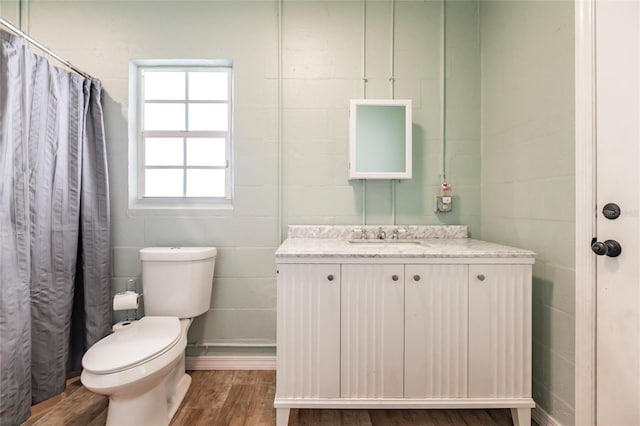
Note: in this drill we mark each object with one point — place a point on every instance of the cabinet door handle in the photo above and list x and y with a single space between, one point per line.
416 277
394 277
480 277
330 277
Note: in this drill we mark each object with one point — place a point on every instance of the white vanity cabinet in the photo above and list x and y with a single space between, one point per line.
361 329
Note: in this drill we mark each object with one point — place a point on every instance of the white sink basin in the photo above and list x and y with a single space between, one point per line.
385 242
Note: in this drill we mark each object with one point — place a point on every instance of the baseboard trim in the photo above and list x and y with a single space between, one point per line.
231 362
542 418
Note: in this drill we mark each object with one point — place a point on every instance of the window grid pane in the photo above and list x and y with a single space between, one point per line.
164 116
213 117
206 152
203 107
164 182
164 152
208 86
164 85
205 183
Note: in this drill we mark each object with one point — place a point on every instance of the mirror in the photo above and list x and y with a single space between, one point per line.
380 139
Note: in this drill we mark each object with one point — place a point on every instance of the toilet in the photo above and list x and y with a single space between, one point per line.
141 365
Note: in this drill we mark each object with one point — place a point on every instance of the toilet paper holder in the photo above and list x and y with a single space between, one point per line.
129 291
127 301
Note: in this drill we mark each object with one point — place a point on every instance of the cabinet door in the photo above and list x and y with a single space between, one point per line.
308 361
372 331
499 331
435 331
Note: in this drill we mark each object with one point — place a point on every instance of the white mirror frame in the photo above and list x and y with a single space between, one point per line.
407 173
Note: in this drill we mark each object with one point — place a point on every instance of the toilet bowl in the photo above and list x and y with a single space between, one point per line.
141 368
141 365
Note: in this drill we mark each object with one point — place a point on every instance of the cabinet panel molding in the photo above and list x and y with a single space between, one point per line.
499 331
308 353
372 339
436 331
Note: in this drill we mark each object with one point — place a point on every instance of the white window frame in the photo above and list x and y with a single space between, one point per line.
137 135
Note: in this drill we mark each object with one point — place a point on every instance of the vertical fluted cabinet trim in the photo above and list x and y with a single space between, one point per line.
436 331
372 341
499 331
308 363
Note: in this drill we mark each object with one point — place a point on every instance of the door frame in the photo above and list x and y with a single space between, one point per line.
586 214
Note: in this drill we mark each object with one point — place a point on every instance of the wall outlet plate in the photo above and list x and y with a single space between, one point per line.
443 204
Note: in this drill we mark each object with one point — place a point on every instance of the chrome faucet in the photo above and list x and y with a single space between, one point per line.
381 234
396 233
363 233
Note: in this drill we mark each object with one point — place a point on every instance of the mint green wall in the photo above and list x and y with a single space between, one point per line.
518 54
323 70
322 54
528 185
10 11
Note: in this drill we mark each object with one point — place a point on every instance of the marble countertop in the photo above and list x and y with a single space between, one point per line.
336 242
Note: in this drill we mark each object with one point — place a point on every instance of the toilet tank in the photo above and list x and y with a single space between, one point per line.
177 281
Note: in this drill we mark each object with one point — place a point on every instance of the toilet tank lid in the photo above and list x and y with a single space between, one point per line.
168 254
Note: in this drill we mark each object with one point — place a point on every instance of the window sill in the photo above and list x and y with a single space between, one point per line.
173 206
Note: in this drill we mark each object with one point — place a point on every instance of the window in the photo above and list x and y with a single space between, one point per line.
183 131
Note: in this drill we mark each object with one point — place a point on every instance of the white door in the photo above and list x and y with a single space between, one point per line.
618 181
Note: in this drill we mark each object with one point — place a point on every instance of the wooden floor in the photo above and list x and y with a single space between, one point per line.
246 398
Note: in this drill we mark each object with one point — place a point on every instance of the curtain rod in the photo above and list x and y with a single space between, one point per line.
44 48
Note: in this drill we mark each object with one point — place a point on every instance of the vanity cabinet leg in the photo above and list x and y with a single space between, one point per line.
520 416
282 416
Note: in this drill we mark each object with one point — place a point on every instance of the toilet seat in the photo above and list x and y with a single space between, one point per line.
137 343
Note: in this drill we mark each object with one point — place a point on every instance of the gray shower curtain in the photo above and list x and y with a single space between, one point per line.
54 226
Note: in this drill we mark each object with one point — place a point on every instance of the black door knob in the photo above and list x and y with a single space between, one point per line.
611 211
609 248
599 248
